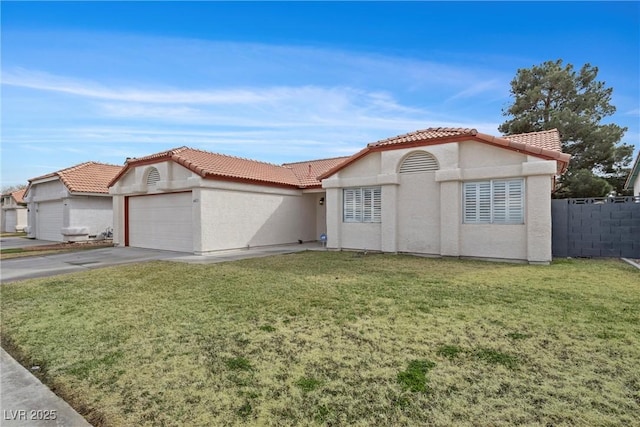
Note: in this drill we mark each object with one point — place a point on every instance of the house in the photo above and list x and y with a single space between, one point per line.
14 211
71 204
447 192
195 201
633 182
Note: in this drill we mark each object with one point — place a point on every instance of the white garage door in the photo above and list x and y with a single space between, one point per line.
49 221
162 221
10 220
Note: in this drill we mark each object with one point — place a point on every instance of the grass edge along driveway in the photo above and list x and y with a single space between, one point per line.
330 338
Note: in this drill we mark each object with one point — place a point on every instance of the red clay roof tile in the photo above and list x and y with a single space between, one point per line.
213 165
88 177
545 144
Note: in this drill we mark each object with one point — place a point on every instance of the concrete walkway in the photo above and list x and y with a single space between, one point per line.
24 400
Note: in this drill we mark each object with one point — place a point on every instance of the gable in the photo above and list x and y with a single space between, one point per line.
544 145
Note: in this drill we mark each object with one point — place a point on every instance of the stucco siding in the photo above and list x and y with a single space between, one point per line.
51 190
91 212
241 219
504 241
361 236
367 166
478 155
422 211
636 187
418 210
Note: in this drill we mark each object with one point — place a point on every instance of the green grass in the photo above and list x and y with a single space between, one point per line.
327 338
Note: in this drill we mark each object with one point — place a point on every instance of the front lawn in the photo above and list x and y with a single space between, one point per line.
336 339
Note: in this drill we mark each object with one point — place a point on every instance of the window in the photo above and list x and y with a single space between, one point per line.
494 202
362 204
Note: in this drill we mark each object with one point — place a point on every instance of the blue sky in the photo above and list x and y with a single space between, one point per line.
283 82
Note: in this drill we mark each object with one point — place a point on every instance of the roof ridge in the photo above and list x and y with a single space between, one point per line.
531 133
459 130
234 157
316 160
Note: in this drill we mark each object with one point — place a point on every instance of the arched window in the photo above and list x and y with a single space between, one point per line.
153 176
419 161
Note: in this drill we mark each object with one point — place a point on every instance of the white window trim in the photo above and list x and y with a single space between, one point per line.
480 203
362 205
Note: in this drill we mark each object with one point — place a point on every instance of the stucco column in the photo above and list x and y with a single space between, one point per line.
388 234
450 218
117 208
538 218
196 220
333 202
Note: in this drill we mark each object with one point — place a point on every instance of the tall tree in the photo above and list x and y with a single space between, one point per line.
553 95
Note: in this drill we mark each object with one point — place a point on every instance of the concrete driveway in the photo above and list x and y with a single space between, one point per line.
21 242
49 265
14 269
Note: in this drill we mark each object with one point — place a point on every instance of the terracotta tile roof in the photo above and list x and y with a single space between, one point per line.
545 144
88 177
424 135
307 172
17 196
548 139
220 166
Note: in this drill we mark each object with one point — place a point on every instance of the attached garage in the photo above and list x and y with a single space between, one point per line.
194 201
160 221
14 211
70 205
49 220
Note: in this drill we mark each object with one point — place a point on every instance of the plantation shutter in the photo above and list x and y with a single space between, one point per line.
371 204
477 202
515 201
362 204
350 205
498 201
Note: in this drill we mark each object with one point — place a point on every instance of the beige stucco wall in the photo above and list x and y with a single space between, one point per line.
247 216
229 215
422 212
636 187
91 213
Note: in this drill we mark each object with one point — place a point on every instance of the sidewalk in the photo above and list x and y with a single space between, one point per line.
26 402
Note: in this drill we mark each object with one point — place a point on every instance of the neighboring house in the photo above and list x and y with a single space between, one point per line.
195 201
447 192
72 204
633 181
14 212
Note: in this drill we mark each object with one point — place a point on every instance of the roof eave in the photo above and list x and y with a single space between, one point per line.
633 174
218 177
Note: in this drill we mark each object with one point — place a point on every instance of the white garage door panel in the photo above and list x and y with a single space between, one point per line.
10 220
162 221
49 221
